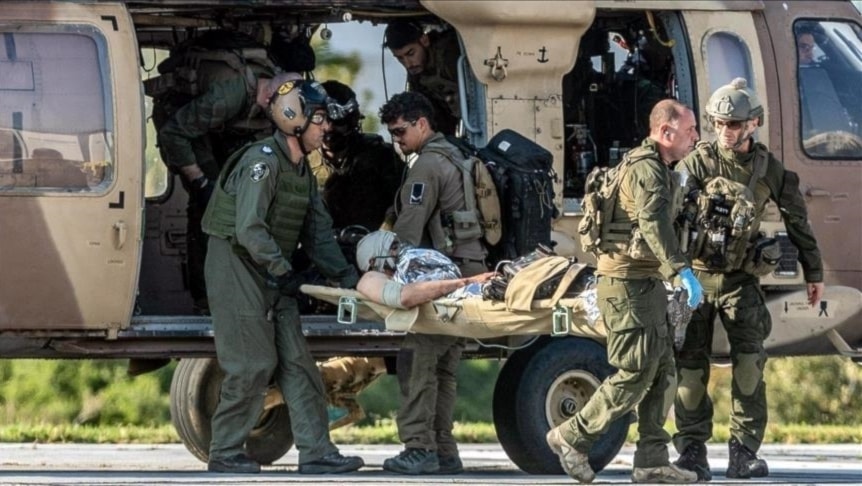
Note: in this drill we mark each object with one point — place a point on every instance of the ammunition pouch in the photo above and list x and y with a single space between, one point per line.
762 257
465 225
589 228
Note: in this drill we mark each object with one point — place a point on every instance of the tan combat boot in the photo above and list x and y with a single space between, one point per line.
575 463
669 474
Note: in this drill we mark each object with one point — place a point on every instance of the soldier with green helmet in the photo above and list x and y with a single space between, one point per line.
730 173
633 301
264 205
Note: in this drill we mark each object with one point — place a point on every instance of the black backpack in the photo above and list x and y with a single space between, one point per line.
524 175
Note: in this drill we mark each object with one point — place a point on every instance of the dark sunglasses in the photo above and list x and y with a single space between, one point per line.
400 131
730 125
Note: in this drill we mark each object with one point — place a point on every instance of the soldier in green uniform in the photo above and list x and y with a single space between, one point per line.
432 191
431 63
633 302
733 293
265 204
196 139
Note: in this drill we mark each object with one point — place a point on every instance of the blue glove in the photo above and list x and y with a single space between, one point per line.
691 284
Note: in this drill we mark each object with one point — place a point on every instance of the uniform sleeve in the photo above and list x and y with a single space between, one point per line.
651 189
212 110
418 196
253 200
319 243
784 185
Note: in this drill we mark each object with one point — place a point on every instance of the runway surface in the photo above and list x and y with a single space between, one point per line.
171 464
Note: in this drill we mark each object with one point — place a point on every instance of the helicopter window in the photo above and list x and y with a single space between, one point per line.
829 74
54 121
727 57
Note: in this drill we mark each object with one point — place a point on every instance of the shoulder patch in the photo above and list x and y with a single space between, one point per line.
266 149
259 172
417 193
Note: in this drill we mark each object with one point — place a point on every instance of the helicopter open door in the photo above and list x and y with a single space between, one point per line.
70 185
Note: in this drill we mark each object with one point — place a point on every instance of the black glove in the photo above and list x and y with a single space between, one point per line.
202 188
286 284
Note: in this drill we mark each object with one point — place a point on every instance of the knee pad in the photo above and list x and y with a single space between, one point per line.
748 372
691 389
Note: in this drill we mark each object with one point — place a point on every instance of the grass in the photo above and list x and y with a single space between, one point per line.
385 433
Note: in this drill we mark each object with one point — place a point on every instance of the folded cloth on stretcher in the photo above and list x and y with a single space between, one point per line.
475 317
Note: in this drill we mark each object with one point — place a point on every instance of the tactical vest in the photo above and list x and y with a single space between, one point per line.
287 211
725 221
599 232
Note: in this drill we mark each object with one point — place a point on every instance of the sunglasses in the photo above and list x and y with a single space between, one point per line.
400 131
730 125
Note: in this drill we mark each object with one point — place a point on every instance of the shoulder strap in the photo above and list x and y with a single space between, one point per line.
466 168
708 156
761 160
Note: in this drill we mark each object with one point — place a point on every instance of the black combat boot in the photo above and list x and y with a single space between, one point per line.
743 463
693 458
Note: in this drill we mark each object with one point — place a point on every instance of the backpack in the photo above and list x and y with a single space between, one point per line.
523 176
482 215
597 231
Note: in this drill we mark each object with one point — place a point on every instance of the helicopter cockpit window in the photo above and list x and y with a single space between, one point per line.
55 124
829 60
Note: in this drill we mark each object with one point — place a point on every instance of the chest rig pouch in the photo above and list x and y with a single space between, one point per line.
724 223
723 236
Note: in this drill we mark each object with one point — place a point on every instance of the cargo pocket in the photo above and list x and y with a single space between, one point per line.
626 343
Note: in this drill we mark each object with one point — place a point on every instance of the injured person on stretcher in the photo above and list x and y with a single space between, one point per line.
421 291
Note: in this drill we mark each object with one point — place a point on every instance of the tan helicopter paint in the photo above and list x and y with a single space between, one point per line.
520 51
69 251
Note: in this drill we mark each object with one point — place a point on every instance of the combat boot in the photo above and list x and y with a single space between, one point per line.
669 474
574 462
693 458
413 461
238 464
451 464
744 463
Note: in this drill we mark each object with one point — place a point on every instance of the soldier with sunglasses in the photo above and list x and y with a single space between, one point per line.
731 285
431 193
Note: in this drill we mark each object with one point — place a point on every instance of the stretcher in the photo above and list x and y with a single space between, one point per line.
475 317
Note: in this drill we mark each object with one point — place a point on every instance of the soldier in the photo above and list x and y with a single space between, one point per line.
431 63
731 285
432 192
633 302
265 204
365 171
